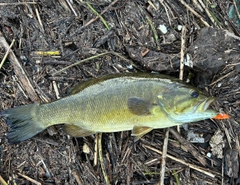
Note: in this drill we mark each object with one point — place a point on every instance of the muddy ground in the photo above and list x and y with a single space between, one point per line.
131 36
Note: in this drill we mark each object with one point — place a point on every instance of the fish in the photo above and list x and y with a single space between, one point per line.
139 102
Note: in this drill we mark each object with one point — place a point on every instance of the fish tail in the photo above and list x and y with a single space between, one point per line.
22 122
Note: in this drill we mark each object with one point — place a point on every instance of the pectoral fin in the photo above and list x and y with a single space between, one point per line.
76 131
139 131
139 106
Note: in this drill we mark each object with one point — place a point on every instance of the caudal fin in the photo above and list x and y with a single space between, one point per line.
21 122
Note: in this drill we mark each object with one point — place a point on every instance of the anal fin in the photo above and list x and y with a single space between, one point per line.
139 131
76 131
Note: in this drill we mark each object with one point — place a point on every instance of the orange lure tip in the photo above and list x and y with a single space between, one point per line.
221 116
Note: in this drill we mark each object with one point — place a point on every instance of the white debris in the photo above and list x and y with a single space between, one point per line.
179 27
162 28
209 154
194 137
187 61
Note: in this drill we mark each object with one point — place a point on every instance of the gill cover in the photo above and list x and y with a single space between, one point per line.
184 104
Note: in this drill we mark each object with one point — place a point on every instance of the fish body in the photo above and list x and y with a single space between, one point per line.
137 102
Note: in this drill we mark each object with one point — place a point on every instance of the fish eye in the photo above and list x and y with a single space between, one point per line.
194 94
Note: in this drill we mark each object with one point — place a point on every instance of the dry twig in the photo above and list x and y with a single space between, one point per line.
195 13
19 71
164 154
195 167
39 19
77 177
101 159
30 179
56 89
71 7
81 61
189 147
221 78
95 160
182 53
183 41
236 9
208 13
14 4
6 54
166 10
94 57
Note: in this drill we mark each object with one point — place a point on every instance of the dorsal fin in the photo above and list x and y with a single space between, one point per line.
82 85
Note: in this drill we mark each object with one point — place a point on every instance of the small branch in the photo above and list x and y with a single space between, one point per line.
95 161
101 159
71 7
183 41
221 78
6 54
56 89
30 179
77 177
81 61
236 8
237 144
195 13
189 147
14 4
19 71
182 52
209 14
195 167
39 18
94 57
164 154
229 140
166 10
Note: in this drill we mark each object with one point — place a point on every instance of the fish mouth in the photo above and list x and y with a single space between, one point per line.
203 106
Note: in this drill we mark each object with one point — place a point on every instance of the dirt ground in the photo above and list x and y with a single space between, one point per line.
120 36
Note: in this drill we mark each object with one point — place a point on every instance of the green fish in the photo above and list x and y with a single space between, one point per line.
138 102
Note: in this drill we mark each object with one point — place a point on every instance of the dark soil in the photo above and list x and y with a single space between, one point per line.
134 42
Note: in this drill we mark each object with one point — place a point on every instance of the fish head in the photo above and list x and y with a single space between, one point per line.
186 104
